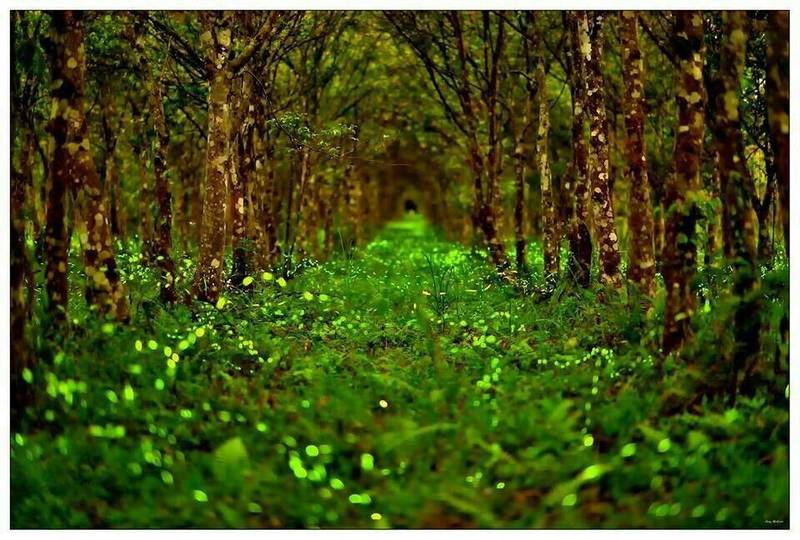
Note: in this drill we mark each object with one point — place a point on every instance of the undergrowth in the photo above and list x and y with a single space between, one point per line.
398 386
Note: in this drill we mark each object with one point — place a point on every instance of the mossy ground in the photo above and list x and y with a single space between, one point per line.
399 387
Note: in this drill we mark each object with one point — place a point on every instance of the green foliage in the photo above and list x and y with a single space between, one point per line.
329 400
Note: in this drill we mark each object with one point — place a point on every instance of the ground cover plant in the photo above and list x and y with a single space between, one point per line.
399 270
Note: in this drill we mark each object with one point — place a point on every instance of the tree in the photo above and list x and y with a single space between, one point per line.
520 129
642 263
778 107
72 167
162 237
737 191
551 237
222 66
579 236
591 40
682 189
455 71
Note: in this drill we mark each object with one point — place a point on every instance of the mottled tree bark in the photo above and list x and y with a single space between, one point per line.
221 68
602 209
73 166
680 249
580 239
642 263
208 276
550 236
778 107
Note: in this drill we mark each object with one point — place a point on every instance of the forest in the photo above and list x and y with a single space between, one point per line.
399 269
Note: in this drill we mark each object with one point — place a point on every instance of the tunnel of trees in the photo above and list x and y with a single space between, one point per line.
234 235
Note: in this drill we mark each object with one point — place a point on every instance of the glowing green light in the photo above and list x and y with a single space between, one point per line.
664 445
367 462
628 450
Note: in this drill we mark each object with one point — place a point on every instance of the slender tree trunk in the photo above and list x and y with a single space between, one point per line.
714 241
208 276
738 192
519 198
602 208
763 210
73 165
484 212
778 107
163 222
111 170
642 262
550 238
145 195
162 232
680 249
579 236
270 216
21 357
242 167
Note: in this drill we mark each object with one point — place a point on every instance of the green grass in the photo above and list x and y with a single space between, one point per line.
404 387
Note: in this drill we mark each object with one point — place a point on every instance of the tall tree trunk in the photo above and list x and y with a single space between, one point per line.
680 249
162 237
21 357
269 250
208 276
550 238
713 227
778 107
738 192
145 195
484 213
73 165
163 222
111 170
519 196
242 169
602 208
763 209
642 262
580 238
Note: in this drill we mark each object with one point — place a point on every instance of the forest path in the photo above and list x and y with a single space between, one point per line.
400 387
